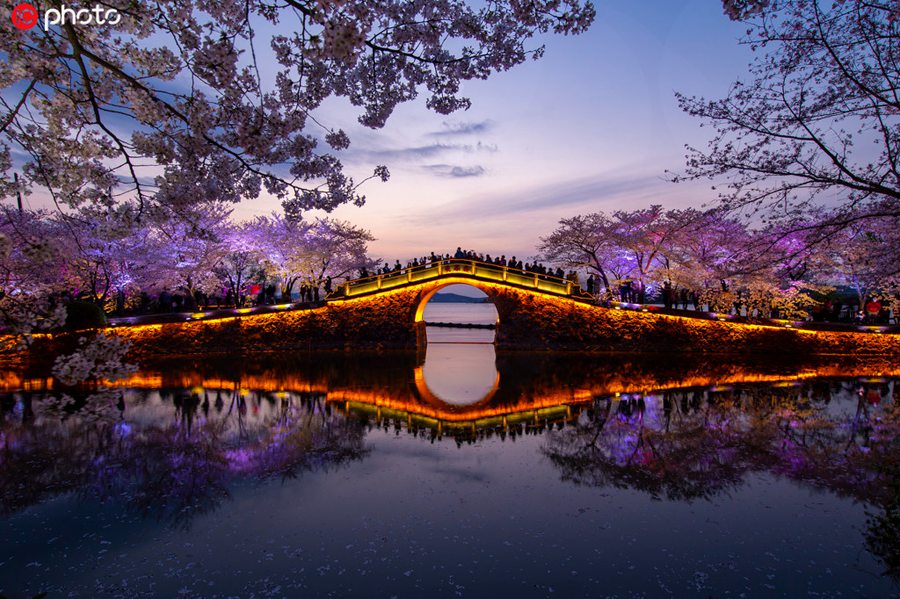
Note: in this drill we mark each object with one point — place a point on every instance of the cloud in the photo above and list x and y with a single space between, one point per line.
454 171
414 153
458 128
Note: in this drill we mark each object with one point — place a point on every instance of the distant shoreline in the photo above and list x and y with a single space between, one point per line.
455 298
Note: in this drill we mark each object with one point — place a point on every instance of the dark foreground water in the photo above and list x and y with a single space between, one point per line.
455 474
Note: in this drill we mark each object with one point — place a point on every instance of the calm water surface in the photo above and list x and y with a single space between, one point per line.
459 473
460 313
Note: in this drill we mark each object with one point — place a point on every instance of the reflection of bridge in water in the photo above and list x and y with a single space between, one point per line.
531 390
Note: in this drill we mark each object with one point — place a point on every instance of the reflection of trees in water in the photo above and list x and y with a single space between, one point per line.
306 435
692 450
172 469
883 531
687 445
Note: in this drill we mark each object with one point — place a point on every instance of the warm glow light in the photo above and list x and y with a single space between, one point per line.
408 401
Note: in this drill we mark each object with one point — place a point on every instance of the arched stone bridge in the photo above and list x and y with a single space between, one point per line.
534 312
506 288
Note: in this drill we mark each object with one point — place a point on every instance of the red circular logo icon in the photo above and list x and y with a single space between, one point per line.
24 16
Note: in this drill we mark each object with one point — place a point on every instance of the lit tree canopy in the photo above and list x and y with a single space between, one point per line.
184 101
779 269
686 247
309 251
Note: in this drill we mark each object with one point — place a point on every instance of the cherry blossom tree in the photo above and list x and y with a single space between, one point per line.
184 101
30 276
817 120
189 244
242 264
584 241
688 247
309 251
108 253
707 247
863 256
646 238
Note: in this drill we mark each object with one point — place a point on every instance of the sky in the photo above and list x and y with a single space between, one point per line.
593 125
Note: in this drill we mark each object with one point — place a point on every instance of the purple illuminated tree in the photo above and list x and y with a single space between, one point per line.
31 275
242 264
190 244
107 253
309 251
689 248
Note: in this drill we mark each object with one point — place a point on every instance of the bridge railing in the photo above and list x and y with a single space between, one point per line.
458 266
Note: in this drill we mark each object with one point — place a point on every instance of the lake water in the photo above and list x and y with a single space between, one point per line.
457 473
460 313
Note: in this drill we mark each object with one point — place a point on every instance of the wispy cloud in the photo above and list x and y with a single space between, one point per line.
462 128
454 171
414 153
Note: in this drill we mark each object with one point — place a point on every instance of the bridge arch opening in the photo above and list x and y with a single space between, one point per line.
458 313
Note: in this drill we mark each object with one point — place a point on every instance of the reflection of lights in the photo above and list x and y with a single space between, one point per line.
243 311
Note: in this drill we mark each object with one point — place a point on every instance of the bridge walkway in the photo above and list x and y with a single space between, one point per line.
460 268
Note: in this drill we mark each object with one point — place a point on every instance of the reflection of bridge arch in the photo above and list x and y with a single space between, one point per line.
428 396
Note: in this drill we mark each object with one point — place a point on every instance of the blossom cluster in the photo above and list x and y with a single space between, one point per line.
184 102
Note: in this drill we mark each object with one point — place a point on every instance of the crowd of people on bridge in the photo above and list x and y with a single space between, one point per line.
433 259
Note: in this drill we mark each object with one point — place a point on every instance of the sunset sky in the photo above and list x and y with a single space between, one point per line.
592 126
